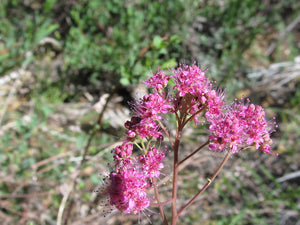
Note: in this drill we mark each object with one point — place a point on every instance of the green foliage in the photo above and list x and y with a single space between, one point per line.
21 33
232 220
122 38
119 38
226 30
110 42
122 41
295 100
268 193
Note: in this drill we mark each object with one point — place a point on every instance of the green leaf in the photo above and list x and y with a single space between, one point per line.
81 185
157 41
95 179
48 5
44 30
169 64
124 81
47 110
81 141
237 218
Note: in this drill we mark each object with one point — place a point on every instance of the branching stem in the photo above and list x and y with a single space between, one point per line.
194 152
210 180
163 216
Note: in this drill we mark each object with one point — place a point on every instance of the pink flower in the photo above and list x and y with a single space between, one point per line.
158 81
143 128
147 111
190 80
122 153
239 126
214 103
151 162
193 98
256 127
151 105
194 93
127 190
131 177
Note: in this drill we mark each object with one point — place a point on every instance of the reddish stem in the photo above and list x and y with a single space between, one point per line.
163 216
210 180
175 174
192 116
197 150
175 168
166 131
161 203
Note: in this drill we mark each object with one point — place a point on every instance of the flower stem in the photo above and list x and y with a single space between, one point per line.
175 176
175 170
166 131
192 116
210 180
161 203
163 216
197 150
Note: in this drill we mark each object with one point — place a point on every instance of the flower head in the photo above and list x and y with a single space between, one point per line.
147 111
151 162
239 126
128 190
190 80
195 93
191 97
122 153
143 128
158 81
131 178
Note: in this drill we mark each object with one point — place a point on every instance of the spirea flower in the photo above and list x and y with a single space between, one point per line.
151 105
158 81
142 128
190 80
190 96
238 126
128 189
122 154
131 178
194 93
147 111
151 162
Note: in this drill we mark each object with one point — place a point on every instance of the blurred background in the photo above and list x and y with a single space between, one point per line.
68 69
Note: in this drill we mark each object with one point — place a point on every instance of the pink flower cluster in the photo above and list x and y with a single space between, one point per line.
238 126
195 93
147 113
128 189
151 163
191 97
130 178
